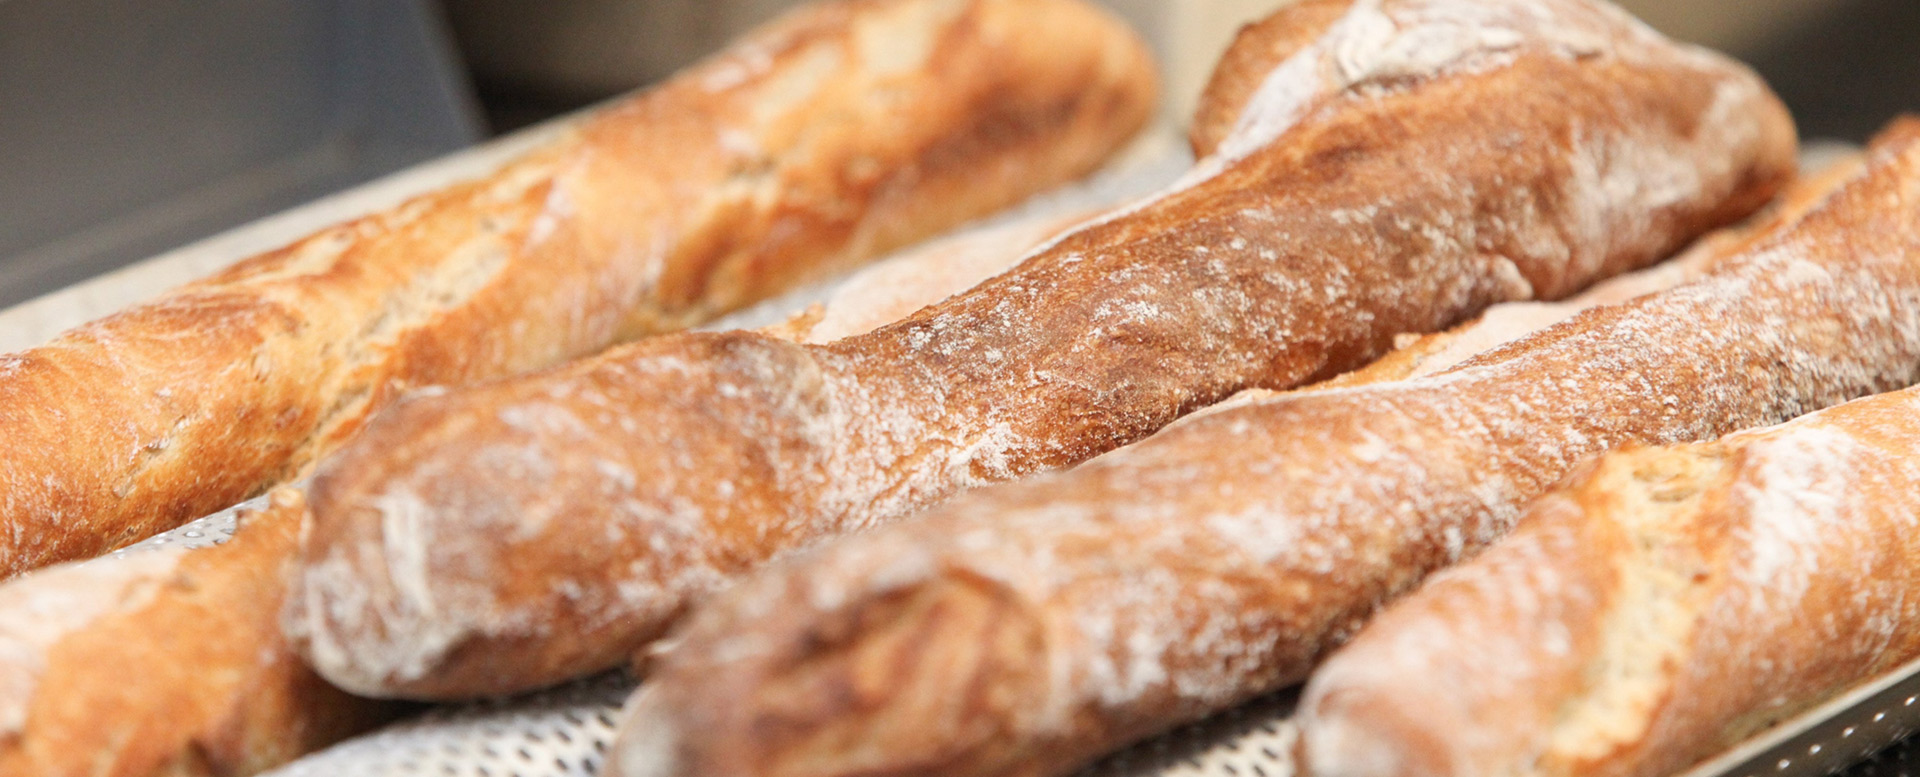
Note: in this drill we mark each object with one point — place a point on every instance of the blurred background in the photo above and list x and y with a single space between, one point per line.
130 128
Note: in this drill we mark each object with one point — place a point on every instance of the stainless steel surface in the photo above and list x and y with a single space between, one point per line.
1900 760
132 128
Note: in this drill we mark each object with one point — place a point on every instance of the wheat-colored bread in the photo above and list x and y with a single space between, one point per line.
1654 609
1026 629
527 531
1658 608
840 131
219 691
165 663
1244 67
1420 355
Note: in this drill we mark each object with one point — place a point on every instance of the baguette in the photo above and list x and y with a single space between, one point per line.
1421 355
221 692
1416 356
165 663
842 130
1026 629
513 535
1657 608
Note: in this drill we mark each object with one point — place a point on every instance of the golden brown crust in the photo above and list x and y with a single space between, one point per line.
183 671
894 289
1256 50
464 531
1221 558
1659 606
116 610
847 128
1418 355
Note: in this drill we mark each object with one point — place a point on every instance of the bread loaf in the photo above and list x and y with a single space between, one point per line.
219 691
165 663
844 129
1657 608
516 534
1422 355
1025 629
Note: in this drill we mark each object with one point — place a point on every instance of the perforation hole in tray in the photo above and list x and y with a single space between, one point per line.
1901 760
1854 746
207 532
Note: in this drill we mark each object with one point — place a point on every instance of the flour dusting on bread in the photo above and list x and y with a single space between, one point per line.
36 612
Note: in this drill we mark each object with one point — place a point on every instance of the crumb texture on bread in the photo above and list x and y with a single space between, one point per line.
1662 606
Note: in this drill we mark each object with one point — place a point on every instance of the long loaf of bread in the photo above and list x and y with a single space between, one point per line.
842 130
1025 629
1656 609
166 663
512 535
1421 355
213 688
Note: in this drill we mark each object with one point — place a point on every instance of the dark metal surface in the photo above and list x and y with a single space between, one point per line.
127 129
1832 736
1899 760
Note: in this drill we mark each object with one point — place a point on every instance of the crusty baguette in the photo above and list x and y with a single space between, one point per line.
1416 356
1655 609
1420 355
516 534
1024 629
847 128
1658 608
164 663
1244 67
219 691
